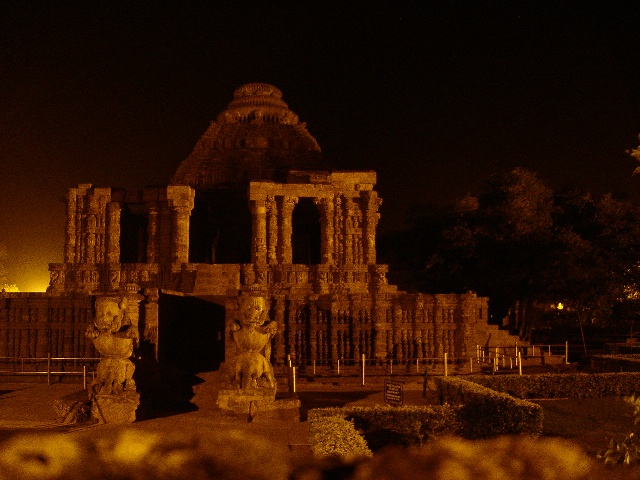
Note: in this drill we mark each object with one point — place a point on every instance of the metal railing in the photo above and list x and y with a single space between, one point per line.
487 359
49 366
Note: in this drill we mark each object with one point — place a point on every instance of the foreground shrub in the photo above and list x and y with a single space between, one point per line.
626 451
571 385
333 436
134 454
485 412
504 458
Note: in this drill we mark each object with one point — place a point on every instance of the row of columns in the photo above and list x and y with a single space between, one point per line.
93 226
375 329
347 226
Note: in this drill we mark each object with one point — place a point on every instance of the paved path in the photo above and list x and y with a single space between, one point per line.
28 407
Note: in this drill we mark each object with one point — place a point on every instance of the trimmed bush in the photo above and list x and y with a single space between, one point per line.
615 363
485 412
404 425
573 385
333 436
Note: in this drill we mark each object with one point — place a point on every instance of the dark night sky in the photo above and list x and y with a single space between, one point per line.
432 95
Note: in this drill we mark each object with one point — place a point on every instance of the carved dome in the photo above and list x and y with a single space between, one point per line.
256 138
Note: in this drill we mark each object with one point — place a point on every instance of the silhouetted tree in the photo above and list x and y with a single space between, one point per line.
521 242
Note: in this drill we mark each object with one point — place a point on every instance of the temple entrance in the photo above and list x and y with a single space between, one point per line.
305 239
220 227
190 333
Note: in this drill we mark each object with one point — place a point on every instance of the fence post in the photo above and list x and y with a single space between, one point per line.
363 369
470 364
445 365
84 377
520 363
48 368
391 366
314 368
292 380
338 366
566 352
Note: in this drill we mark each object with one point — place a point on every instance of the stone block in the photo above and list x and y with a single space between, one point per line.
74 408
115 409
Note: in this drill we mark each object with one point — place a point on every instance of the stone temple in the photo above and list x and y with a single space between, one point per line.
254 207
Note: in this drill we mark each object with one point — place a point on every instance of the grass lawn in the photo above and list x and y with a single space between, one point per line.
589 422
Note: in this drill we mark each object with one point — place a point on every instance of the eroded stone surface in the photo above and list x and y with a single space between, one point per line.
308 240
113 392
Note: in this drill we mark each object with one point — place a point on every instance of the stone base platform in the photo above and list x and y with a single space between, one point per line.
115 409
258 405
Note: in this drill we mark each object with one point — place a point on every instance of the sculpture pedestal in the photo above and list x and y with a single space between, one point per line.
115 409
258 405
241 401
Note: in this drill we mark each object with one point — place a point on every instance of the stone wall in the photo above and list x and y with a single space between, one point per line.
38 324
399 326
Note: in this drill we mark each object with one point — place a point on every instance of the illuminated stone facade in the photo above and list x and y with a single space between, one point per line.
254 207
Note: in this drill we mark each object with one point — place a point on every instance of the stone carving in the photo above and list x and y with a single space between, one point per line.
248 384
259 148
252 332
113 392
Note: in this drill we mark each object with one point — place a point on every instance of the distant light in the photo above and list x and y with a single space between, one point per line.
560 306
10 288
36 285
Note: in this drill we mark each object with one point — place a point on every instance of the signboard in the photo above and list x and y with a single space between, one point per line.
393 392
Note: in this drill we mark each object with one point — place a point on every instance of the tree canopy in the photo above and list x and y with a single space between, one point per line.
519 241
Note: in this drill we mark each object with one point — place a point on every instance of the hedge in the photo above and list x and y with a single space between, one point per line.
570 385
333 436
484 412
405 425
615 363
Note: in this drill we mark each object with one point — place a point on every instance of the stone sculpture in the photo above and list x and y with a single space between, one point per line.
252 332
248 383
113 392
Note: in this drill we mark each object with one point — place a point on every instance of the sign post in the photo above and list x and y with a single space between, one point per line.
393 392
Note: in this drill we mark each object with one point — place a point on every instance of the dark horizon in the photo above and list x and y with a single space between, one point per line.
434 98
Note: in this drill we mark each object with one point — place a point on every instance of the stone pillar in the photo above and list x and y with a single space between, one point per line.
348 231
333 329
292 328
90 239
438 329
70 238
286 228
279 339
180 234
180 201
313 326
380 328
113 232
259 229
371 217
151 316
272 230
326 229
338 229
152 233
